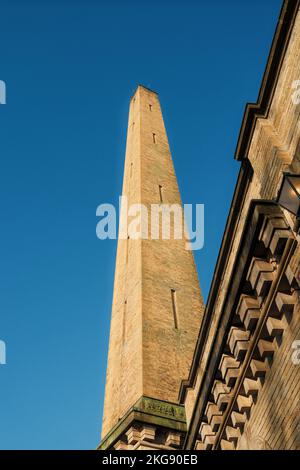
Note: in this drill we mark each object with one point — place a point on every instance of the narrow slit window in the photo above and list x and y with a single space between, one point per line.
127 248
154 138
124 321
160 193
174 308
131 166
133 126
150 107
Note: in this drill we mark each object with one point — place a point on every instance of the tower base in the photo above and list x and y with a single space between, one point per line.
149 425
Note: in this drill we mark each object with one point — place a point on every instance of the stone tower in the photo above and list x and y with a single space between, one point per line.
157 304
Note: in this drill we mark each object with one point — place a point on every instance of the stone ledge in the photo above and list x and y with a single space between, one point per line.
148 410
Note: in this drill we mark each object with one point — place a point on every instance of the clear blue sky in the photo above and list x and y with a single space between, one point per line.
70 69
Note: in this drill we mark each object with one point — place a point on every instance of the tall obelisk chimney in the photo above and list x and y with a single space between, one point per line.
157 304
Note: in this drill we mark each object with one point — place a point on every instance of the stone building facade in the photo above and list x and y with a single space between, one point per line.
223 376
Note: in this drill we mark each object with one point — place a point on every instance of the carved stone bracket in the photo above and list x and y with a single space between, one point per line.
260 314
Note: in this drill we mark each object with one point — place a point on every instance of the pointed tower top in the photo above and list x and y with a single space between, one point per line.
145 88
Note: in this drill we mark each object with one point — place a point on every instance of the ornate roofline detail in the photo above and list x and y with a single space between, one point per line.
256 312
261 107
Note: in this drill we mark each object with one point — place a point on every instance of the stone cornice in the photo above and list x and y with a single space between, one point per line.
251 228
289 249
151 411
254 314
